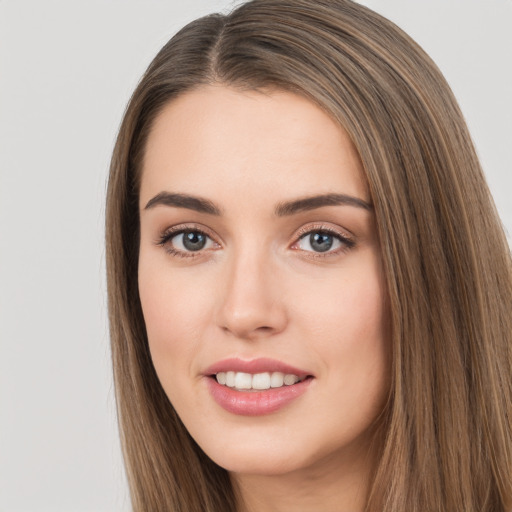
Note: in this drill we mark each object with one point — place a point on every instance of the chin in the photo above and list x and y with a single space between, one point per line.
259 462
269 455
288 450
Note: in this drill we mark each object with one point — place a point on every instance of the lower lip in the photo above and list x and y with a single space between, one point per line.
255 403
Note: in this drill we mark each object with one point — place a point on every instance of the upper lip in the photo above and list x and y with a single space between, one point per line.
259 365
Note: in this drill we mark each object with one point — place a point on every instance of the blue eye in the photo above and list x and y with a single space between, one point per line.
322 241
193 240
186 242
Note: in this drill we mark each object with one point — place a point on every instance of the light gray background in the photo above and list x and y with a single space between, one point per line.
67 69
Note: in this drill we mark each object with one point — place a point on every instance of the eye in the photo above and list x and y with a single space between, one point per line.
186 242
190 241
318 242
323 241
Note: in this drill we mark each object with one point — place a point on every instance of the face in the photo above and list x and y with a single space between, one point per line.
260 280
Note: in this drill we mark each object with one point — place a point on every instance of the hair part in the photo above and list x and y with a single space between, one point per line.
448 423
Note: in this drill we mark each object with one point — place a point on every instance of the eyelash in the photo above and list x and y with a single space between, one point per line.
346 241
170 233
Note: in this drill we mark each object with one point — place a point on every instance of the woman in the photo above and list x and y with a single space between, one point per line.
309 287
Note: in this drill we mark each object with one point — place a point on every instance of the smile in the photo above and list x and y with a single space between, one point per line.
256 387
242 381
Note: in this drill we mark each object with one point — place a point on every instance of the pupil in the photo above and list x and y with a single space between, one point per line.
321 242
193 241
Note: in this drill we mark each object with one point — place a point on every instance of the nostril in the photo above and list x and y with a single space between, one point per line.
247 331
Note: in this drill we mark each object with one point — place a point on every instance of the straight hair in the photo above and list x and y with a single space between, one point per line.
447 434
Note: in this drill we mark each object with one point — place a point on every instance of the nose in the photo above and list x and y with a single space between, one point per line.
252 303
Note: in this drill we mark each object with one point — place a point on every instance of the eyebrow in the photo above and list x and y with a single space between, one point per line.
198 204
313 202
283 209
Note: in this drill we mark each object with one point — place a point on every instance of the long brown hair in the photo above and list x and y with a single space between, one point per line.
448 422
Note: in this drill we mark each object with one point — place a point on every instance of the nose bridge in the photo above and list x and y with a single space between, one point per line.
251 305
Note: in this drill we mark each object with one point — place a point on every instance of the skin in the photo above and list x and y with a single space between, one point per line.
258 289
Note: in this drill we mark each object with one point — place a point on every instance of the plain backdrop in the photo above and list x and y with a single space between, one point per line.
67 69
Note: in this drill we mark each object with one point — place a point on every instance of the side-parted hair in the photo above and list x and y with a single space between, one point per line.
448 421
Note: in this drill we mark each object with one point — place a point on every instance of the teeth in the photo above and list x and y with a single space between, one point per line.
243 380
230 379
290 379
276 380
259 381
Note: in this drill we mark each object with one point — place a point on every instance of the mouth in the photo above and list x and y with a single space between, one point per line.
243 381
256 387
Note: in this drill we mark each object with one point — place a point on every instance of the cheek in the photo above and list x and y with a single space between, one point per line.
174 313
349 321
353 308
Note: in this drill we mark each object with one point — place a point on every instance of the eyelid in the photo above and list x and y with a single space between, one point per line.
345 237
167 234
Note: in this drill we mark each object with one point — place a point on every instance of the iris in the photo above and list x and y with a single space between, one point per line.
320 242
194 240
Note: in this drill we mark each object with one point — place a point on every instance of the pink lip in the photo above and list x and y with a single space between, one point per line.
259 365
254 403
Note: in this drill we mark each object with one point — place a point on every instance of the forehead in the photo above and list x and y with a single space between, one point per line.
222 141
